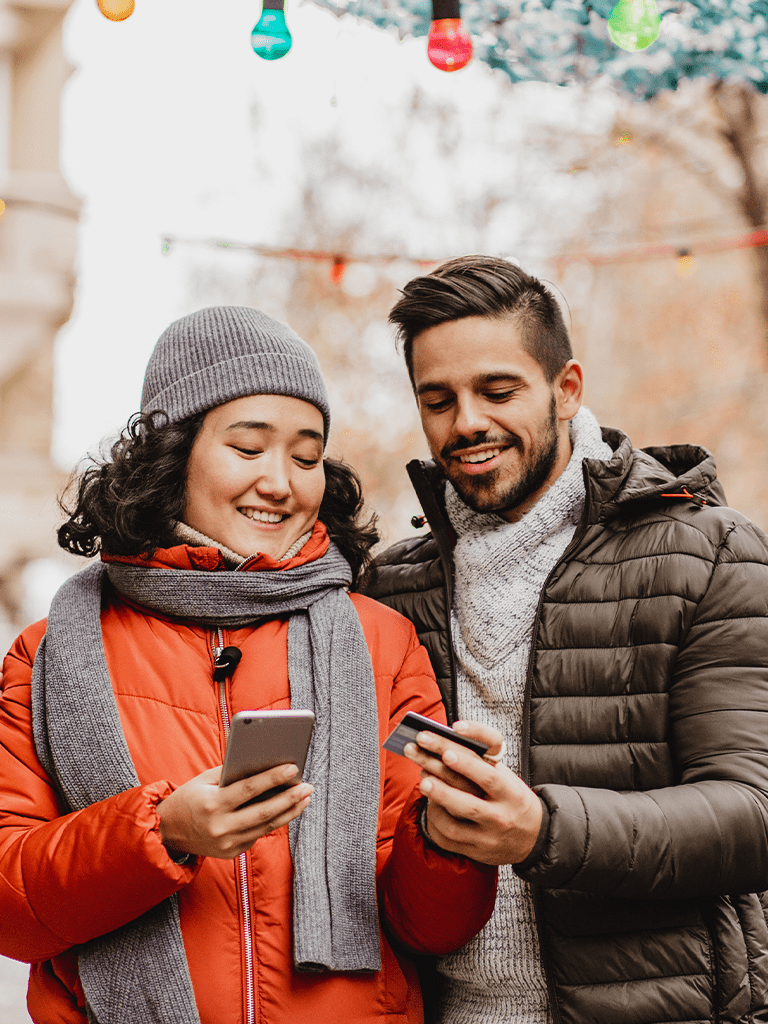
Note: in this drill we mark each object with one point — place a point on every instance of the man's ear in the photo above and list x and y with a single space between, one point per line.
569 390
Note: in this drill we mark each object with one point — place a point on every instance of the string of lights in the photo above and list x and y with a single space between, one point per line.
756 238
9 203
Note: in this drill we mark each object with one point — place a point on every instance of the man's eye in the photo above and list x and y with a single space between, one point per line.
499 396
439 405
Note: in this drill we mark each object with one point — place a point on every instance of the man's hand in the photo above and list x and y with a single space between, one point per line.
475 808
201 818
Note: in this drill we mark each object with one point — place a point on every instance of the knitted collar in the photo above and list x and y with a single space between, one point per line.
188 535
500 567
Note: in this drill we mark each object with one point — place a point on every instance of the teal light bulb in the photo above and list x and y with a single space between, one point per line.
634 24
270 38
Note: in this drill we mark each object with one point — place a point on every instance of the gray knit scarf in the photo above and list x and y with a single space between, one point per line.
139 972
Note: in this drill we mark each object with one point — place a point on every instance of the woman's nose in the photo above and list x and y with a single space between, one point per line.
273 479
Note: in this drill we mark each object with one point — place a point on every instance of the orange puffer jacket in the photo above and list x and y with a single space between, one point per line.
67 878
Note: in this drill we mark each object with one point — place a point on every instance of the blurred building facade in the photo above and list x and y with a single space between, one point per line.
38 238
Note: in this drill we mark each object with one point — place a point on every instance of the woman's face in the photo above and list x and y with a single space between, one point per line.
255 475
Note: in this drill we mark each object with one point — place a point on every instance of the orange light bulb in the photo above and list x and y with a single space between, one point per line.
116 10
685 265
337 269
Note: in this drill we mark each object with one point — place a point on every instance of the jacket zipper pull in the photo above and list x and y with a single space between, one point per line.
225 663
697 499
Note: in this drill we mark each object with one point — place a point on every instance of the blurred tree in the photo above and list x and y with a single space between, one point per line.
717 131
675 348
712 134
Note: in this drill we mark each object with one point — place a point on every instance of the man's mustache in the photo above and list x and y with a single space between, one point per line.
462 443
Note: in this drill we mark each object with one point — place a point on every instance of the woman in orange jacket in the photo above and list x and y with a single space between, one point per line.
138 889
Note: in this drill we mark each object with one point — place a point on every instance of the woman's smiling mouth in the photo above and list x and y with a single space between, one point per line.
259 516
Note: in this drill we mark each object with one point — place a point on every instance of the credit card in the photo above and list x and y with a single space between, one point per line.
409 727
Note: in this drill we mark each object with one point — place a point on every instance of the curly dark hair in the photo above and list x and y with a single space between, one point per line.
124 502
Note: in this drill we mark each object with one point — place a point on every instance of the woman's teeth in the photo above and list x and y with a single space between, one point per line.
261 517
481 456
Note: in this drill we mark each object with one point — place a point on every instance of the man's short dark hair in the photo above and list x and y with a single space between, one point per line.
489 287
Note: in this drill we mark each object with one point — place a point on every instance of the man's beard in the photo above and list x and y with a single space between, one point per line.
498 491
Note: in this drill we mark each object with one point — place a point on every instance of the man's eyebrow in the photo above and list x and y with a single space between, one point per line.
478 381
483 379
422 389
258 425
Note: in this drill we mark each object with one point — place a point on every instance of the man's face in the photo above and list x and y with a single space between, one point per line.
495 426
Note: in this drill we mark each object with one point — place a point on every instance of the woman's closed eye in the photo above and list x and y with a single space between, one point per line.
303 460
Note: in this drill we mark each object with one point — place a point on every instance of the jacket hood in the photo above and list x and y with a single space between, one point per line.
645 474
633 474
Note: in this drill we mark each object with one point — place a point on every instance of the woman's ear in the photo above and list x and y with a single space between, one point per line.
569 390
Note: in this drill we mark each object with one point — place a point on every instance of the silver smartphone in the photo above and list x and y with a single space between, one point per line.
259 740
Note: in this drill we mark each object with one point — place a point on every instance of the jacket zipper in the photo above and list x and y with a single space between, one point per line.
525 765
241 868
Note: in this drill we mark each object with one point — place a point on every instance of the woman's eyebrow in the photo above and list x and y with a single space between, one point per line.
315 435
251 425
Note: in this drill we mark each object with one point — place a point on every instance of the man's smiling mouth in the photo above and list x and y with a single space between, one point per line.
491 453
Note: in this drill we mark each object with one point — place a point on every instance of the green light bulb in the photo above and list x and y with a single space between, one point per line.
634 24
270 38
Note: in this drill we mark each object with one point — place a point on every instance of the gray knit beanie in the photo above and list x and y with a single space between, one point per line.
226 352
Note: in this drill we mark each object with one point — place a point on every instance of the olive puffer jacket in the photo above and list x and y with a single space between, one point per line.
645 735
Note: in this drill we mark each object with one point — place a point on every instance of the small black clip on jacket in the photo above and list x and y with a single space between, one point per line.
226 663
418 521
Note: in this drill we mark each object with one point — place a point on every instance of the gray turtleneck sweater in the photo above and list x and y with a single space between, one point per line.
501 569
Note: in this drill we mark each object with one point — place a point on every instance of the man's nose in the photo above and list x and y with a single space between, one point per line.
471 418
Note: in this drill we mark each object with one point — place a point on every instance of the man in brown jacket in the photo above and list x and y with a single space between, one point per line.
598 611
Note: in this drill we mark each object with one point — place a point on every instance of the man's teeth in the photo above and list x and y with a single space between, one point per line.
481 456
261 517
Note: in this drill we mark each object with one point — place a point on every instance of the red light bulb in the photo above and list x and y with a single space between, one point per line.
449 46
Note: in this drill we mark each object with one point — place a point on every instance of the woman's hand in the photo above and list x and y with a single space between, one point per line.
201 818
